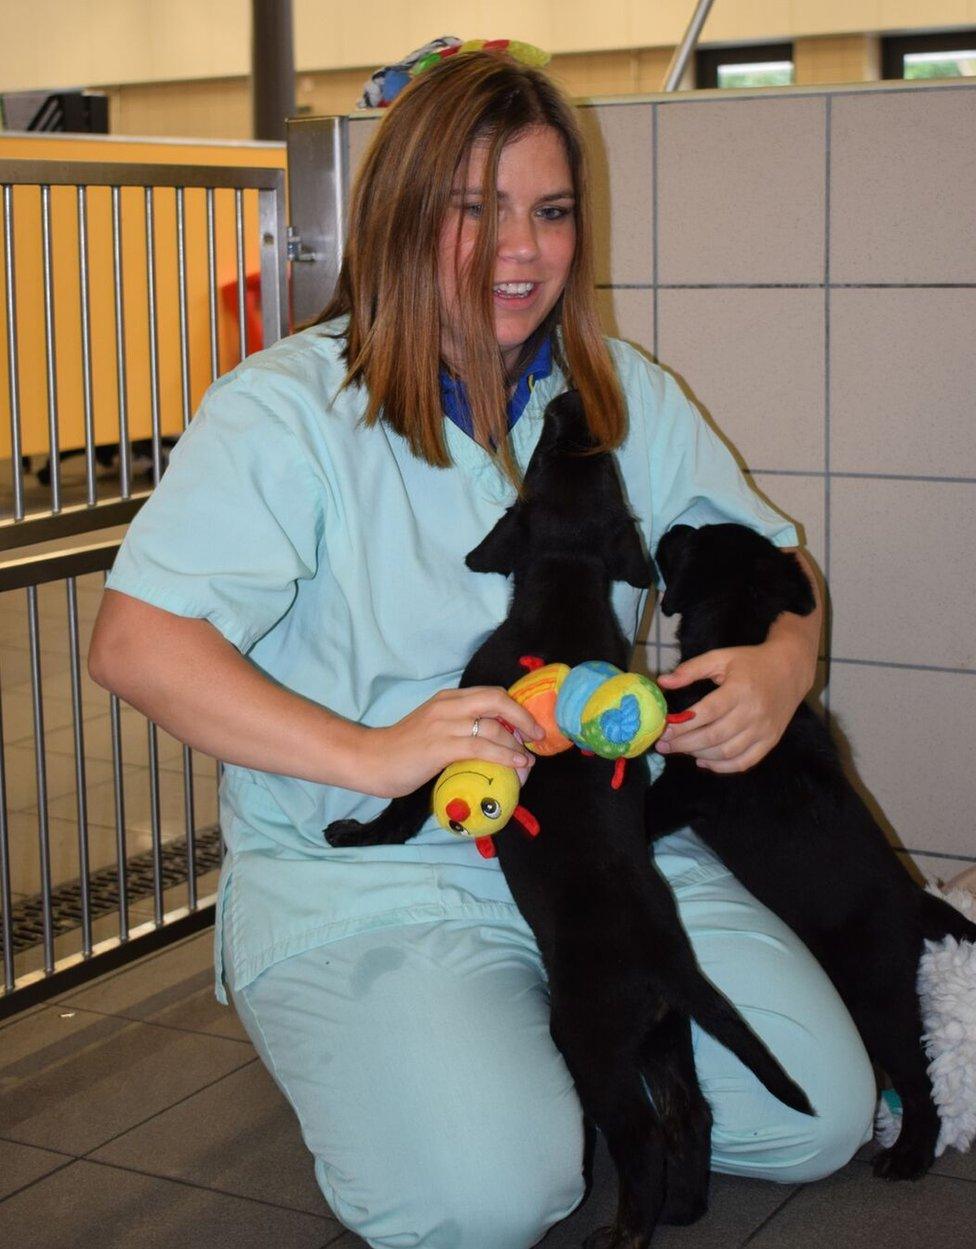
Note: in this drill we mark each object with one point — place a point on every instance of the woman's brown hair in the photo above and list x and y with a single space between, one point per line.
388 282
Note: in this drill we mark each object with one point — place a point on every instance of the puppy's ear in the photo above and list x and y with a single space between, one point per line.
496 551
673 556
628 561
780 577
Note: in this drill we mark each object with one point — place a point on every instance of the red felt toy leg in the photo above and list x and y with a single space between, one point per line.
527 820
486 847
619 768
679 717
531 662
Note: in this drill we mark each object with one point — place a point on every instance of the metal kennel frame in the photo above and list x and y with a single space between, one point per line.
95 897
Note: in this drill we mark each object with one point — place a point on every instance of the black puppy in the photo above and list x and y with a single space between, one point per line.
622 976
794 831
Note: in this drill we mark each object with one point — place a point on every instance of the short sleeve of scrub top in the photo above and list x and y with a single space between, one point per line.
332 558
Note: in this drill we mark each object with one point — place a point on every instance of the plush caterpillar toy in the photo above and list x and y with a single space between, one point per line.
594 706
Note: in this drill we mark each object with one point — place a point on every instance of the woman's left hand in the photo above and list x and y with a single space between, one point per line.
737 724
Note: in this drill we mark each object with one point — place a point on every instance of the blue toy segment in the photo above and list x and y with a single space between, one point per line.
575 692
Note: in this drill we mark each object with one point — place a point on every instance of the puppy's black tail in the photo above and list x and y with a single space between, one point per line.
713 1012
939 919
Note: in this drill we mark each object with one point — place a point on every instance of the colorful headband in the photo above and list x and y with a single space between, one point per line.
387 83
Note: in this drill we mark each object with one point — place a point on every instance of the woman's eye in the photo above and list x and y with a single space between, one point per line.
473 210
552 212
491 808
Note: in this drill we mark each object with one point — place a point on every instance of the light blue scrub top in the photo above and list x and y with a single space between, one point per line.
333 559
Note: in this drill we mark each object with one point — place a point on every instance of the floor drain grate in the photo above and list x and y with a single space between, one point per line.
27 915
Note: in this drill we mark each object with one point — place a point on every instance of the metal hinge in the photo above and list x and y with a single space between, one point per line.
296 252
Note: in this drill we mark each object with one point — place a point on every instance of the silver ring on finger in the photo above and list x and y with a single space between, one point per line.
476 727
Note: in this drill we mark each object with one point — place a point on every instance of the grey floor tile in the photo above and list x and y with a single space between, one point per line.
853 1210
961 1166
174 987
90 1206
71 1080
736 1208
23 1164
209 1139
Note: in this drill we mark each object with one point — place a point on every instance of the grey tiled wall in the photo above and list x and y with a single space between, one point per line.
805 263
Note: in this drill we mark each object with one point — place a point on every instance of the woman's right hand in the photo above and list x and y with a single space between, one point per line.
400 757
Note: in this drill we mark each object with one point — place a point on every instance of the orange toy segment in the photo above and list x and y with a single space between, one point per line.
537 692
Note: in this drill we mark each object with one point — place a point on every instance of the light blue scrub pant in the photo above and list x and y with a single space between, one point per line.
439 1112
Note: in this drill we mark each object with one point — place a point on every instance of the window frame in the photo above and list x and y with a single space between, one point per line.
895 47
707 60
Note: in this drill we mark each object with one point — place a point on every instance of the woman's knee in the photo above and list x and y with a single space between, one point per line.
756 1135
464 1199
844 1102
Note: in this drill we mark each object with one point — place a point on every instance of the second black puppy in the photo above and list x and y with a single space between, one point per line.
622 975
793 830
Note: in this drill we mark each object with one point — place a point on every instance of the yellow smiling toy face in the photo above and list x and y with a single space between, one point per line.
473 798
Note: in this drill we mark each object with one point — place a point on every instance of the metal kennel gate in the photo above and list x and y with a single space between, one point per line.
124 292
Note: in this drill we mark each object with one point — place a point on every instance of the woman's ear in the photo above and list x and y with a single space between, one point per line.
496 552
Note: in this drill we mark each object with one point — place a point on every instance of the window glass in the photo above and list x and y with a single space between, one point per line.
756 74
960 64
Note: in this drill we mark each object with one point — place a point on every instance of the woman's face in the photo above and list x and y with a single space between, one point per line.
536 237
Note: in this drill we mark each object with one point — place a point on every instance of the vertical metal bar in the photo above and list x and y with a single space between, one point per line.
185 365
157 838
120 851
153 333
274 267
687 45
181 283
241 280
13 374
189 818
6 900
81 790
49 348
43 832
124 449
212 286
86 361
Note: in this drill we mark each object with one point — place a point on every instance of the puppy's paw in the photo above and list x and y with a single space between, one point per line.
347 833
905 1160
680 1209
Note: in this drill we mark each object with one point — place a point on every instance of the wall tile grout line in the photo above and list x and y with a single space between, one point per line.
937 854
655 303
828 123
908 667
862 476
786 286
882 663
